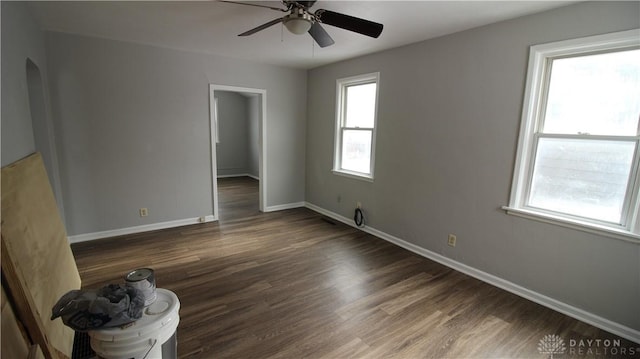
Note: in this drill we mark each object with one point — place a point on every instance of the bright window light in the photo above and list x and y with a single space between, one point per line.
356 126
578 160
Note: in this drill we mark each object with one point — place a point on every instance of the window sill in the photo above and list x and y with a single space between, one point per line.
620 234
354 175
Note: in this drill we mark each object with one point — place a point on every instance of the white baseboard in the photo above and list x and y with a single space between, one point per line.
282 207
564 308
138 229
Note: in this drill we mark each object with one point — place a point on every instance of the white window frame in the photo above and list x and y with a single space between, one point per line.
538 75
341 85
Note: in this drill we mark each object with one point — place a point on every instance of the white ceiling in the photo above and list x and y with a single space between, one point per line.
212 27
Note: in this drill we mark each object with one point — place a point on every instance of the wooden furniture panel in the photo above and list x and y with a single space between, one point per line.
15 344
36 260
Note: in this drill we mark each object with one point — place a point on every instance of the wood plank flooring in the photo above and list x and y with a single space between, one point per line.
238 197
290 284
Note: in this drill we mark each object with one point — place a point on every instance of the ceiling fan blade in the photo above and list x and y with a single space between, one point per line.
320 35
256 5
261 27
351 23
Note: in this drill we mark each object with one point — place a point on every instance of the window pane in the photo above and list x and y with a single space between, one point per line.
356 150
586 178
360 105
595 94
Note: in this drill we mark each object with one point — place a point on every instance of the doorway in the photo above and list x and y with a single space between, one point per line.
238 150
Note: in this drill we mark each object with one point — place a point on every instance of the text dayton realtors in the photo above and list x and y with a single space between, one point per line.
600 347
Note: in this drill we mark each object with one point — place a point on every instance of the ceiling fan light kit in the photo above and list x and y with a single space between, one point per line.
301 20
298 22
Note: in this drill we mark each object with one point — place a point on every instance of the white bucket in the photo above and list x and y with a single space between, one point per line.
144 338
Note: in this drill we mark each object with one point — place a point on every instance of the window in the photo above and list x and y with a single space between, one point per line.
578 155
357 99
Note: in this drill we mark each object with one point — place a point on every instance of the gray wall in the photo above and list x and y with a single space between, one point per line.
21 39
449 114
239 133
133 126
233 133
26 116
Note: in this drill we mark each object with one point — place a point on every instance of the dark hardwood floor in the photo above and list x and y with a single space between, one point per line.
238 197
290 284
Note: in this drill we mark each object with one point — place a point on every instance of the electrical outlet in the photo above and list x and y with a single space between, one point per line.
452 240
358 205
144 212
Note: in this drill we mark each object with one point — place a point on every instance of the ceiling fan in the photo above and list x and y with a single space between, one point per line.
300 20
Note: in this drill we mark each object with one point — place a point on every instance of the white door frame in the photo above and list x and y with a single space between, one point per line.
262 146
